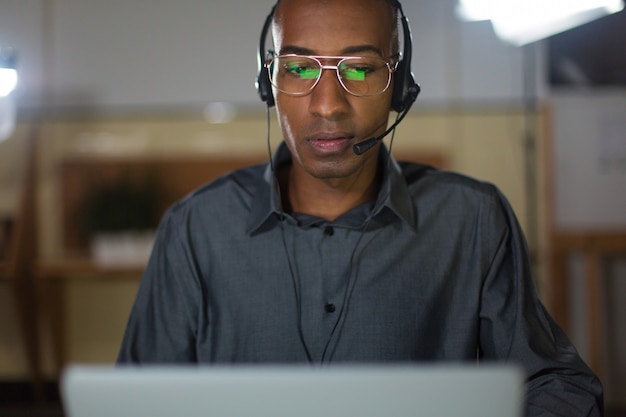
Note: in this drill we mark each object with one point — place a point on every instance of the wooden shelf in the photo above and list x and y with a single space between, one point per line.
83 268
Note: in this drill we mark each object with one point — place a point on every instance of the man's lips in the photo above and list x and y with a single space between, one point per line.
330 145
330 142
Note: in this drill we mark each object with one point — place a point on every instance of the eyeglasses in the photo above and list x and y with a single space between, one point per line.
298 75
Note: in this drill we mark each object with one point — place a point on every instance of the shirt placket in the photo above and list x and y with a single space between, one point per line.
323 276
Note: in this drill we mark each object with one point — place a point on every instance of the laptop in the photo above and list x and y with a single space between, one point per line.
289 391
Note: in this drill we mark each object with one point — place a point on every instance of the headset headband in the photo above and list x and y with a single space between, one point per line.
405 89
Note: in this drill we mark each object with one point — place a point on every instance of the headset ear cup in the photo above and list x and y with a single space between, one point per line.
264 87
405 89
398 98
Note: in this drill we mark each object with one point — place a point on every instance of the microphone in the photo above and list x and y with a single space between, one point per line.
364 146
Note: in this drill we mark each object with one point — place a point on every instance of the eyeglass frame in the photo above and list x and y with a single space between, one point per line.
391 63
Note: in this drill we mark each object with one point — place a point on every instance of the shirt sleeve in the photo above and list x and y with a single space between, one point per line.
162 323
515 326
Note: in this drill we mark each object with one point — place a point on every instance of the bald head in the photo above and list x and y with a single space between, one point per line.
392 3
382 16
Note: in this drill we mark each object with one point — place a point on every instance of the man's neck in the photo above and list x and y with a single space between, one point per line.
325 198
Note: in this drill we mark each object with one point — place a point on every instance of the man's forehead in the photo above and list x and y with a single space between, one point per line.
379 8
357 22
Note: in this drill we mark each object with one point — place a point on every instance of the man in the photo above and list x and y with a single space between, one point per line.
326 256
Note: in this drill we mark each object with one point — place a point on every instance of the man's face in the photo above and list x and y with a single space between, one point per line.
321 127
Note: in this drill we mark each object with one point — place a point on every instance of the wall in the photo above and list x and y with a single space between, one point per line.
590 159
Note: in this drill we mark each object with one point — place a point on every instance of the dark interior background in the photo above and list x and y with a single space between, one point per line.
593 54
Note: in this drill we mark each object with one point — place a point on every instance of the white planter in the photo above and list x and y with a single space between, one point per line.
122 249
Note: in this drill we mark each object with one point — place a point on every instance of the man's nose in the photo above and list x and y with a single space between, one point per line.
328 98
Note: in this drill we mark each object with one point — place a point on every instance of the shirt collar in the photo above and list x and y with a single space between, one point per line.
266 208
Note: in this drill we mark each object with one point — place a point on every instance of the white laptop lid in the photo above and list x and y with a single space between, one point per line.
277 391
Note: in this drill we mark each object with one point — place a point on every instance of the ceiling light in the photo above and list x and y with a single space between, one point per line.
8 71
524 21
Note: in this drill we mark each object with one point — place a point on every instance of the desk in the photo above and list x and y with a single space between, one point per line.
595 247
51 275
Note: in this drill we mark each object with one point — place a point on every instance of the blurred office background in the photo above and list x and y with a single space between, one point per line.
109 89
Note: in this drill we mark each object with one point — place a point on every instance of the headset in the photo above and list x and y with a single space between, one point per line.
405 89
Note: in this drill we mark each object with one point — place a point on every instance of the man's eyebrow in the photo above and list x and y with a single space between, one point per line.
292 49
350 50
358 49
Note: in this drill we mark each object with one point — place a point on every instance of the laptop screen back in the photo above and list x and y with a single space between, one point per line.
275 391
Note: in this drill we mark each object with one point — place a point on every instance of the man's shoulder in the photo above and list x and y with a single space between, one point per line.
423 176
241 182
439 194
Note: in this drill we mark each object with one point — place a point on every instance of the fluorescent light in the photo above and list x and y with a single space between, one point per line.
476 10
7 117
524 21
8 71
8 81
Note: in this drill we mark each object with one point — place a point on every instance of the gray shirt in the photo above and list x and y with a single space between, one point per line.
437 269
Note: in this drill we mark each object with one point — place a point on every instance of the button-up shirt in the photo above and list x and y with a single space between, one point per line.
436 269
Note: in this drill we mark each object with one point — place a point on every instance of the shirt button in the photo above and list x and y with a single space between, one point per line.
330 308
329 231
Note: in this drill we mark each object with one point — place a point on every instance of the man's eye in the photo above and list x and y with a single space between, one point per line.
356 71
354 74
302 71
